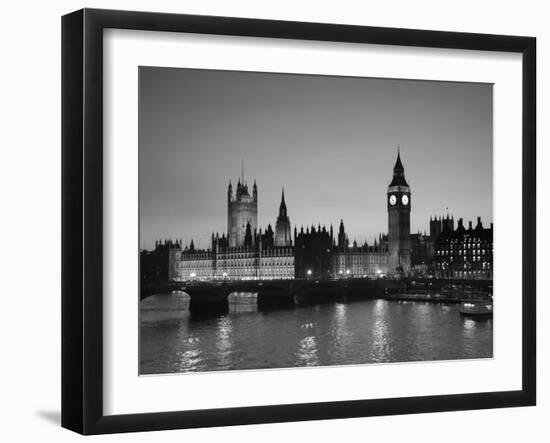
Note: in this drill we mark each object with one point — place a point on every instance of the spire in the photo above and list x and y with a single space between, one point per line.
282 207
398 165
398 171
242 171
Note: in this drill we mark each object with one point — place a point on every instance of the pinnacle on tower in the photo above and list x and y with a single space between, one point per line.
398 171
242 171
398 165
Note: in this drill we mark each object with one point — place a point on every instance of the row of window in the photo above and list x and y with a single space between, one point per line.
445 265
465 252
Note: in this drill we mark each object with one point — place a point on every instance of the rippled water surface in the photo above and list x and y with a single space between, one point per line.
374 331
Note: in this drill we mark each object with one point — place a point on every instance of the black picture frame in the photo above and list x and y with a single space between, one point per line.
82 220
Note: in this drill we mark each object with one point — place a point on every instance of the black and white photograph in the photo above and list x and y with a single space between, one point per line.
291 220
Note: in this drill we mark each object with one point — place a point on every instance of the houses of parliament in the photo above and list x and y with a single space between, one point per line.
247 251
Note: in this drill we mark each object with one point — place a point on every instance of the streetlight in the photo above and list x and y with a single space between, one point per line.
309 273
192 275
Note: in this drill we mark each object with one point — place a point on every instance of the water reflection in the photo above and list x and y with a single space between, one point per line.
224 342
307 352
172 340
340 333
381 345
190 359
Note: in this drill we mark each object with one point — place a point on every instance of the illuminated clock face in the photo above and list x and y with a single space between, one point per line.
393 200
405 200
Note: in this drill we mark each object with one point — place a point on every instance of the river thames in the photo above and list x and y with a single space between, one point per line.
375 331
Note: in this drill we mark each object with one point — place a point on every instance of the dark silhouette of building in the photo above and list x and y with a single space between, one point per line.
160 264
399 220
343 240
246 252
465 253
421 253
312 252
267 237
283 233
435 227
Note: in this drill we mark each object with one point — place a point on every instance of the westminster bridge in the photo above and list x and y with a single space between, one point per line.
212 296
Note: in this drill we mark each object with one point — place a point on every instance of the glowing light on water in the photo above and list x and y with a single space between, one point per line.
224 342
307 352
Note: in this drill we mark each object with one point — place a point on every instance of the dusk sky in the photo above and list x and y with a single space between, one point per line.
331 142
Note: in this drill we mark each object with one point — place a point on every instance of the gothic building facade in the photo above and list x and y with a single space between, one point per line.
248 252
242 213
283 233
238 263
399 220
353 260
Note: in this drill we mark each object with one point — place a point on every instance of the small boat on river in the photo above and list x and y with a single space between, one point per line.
476 308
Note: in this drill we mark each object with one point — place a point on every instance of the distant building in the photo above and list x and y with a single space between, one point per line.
312 250
283 233
399 220
245 253
194 265
349 261
421 253
422 245
241 263
465 253
161 263
242 211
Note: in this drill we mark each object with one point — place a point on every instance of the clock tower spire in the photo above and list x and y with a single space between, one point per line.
399 219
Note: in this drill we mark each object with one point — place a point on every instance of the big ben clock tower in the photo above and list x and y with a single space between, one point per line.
399 220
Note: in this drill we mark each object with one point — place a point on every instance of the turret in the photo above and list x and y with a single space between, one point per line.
460 228
241 208
341 235
479 225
